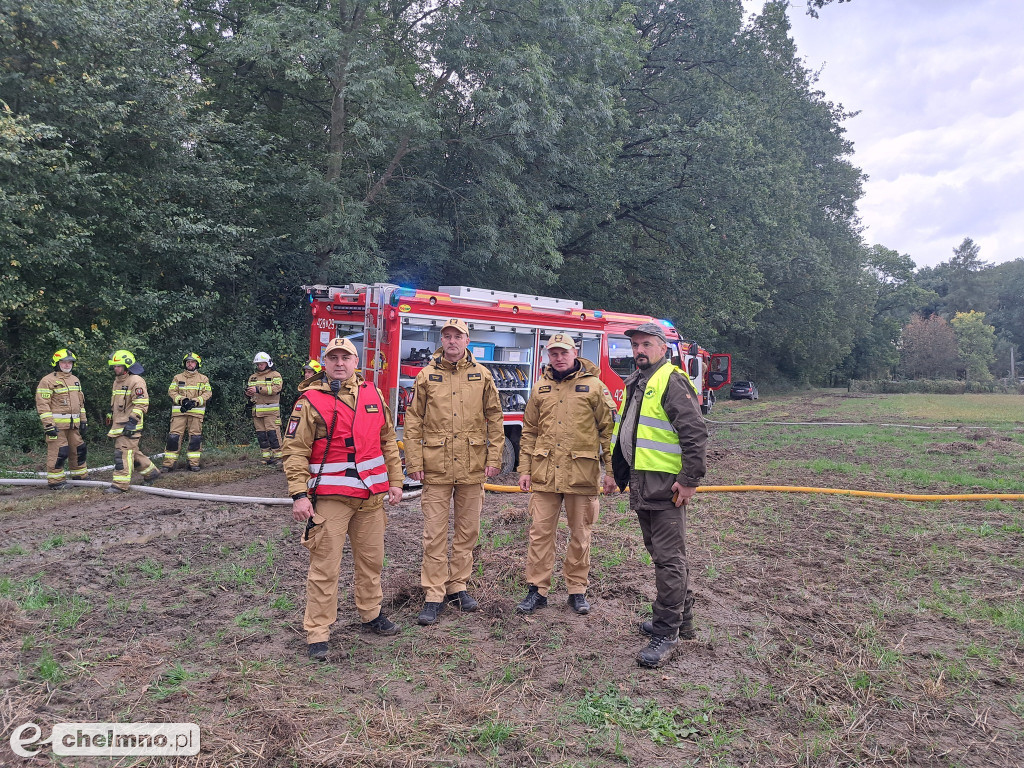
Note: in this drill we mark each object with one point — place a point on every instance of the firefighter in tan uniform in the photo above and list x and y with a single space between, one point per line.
341 458
264 391
190 391
453 440
61 407
129 402
311 368
567 432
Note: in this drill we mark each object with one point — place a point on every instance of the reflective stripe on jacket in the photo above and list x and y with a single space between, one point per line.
129 400
193 386
59 401
657 444
306 426
353 464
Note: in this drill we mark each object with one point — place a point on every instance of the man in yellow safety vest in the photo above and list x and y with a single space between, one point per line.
658 450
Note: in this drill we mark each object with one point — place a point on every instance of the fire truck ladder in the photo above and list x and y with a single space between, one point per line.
378 297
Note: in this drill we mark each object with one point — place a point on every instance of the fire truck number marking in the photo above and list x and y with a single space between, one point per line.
325 322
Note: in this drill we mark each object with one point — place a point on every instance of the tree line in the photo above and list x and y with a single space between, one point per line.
171 171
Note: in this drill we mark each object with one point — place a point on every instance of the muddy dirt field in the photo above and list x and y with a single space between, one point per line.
832 631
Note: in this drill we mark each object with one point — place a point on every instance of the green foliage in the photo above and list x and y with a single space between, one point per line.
664 726
975 342
929 387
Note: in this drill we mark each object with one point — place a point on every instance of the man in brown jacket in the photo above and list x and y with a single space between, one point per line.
61 408
567 431
341 459
453 441
659 451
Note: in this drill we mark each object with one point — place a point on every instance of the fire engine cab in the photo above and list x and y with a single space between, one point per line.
397 330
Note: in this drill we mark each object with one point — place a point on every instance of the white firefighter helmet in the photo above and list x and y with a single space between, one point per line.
263 357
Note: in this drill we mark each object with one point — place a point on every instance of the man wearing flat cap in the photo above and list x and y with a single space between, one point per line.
453 441
659 450
341 459
567 431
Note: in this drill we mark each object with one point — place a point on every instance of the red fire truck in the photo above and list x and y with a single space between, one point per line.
397 329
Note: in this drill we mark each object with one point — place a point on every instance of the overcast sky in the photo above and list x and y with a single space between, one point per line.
940 89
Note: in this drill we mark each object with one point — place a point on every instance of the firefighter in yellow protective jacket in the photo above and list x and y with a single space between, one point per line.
341 458
129 402
264 391
567 432
190 391
453 440
61 407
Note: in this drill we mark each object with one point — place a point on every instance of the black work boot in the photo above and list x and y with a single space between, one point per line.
382 625
318 651
115 489
533 601
429 614
59 486
579 604
193 468
151 477
657 651
686 629
165 469
463 601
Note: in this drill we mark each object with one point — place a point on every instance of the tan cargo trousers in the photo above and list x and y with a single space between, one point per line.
65 454
440 574
581 514
363 520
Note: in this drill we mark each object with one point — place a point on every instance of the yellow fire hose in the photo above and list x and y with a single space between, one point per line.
810 489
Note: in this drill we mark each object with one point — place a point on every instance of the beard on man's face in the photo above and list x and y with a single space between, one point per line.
643 362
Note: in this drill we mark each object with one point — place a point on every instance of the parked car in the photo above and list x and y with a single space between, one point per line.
743 390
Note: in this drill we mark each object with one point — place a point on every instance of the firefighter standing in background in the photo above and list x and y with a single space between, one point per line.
311 368
264 391
61 407
190 391
567 431
453 440
129 402
340 458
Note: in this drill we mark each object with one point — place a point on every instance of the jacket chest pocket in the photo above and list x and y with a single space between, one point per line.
435 455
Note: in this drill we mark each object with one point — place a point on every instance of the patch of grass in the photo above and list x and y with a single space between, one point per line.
49 669
250 618
53 542
820 466
31 595
959 604
282 603
492 733
15 550
152 568
663 726
172 681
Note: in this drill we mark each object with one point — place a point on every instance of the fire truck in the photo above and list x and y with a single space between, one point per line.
397 330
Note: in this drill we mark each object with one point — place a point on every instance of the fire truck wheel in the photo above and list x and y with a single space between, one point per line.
510 455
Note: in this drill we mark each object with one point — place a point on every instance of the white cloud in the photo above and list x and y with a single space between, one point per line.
939 85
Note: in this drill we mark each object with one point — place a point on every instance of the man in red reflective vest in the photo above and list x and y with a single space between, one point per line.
341 458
